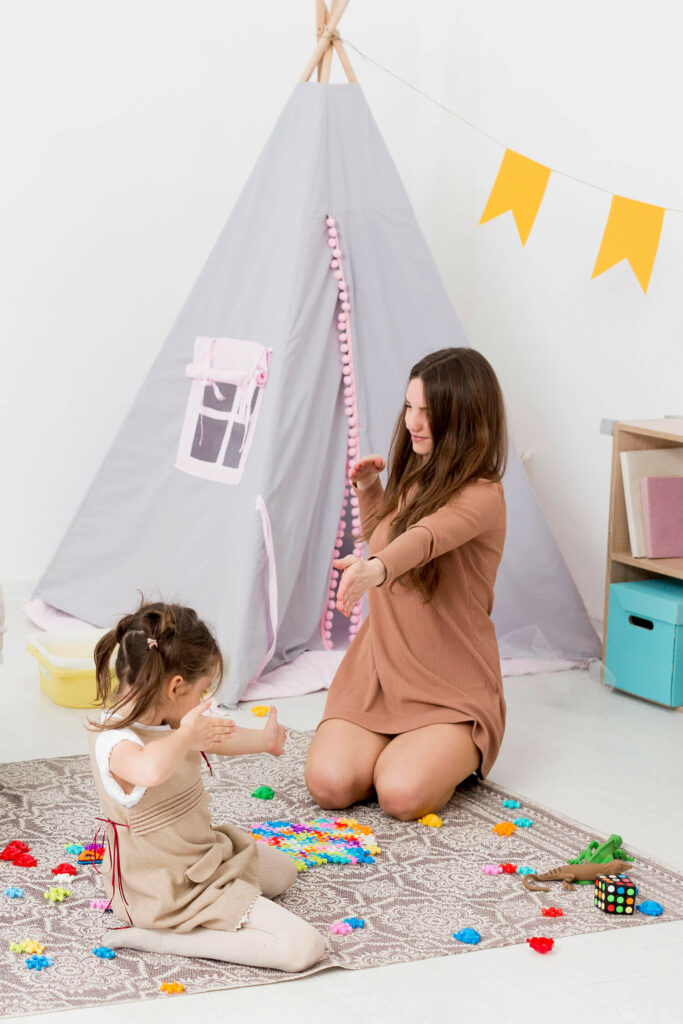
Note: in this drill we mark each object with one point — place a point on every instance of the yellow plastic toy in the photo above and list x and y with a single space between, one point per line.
55 894
504 828
261 710
433 820
27 946
171 986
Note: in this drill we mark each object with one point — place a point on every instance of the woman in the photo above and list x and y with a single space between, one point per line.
417 703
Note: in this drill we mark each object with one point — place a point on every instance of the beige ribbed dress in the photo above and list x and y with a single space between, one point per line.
414 664
167 865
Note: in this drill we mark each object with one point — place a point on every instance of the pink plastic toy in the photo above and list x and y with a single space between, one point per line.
99 904
340 928
492 869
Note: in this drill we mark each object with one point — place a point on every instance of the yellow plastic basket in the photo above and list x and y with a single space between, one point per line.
66 665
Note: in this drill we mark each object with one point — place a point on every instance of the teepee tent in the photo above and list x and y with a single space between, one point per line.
226 486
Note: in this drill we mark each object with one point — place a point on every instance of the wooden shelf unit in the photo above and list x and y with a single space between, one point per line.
622 567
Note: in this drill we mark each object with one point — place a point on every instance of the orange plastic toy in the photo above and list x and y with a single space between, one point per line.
171 986
504 828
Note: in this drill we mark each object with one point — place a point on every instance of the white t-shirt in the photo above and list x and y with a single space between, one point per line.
104 744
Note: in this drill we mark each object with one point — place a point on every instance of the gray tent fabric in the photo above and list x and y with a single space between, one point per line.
145 525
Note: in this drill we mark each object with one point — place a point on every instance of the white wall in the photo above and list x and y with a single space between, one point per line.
129 128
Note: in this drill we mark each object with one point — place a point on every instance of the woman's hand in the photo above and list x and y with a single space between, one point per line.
364 472
274 735
359 575
202 732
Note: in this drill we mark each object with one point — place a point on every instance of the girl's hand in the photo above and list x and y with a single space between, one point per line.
202 732
366 470
274 735
359 575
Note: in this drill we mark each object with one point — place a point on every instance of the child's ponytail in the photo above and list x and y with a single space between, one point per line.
106 646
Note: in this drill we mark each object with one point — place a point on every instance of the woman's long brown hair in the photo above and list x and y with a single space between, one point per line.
466 416
182 645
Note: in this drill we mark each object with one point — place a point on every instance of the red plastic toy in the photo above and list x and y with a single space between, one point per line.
509 869
24 860
64 869
541 943
551 911
12 849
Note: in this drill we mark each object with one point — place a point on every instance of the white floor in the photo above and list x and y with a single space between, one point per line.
570 744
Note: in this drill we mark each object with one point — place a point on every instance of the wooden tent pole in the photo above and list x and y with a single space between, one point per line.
324 41
320 21
326 63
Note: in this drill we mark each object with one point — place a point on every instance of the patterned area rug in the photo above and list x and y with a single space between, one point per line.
426 883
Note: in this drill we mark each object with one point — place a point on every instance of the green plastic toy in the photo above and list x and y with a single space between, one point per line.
601 853
263 793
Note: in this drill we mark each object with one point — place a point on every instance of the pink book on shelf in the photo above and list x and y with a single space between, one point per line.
663 516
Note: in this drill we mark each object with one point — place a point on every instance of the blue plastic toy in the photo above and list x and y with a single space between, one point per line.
74 848
37 963
511 803
104 952
468 935
523 822
651 908
355 922
14 892
526 871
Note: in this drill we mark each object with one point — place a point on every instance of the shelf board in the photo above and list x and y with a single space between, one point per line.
663 566
665 430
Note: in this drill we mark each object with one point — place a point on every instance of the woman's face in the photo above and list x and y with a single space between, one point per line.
416 418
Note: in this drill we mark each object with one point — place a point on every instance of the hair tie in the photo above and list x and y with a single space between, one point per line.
151 642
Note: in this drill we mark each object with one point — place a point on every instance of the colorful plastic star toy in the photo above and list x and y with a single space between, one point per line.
260 710
541 943
104 952
468 935
13 850
27 946
523 822
492 869
263 793
74 849
511 804
509 869
651 908
99 904
14 892
320 841
504 828
340 928
526 871
172 987
64 869
56 894
37 963
551 911
433 820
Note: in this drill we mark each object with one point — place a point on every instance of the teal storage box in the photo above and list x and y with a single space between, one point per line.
644 650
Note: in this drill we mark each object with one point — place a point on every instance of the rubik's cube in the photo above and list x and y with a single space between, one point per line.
615 894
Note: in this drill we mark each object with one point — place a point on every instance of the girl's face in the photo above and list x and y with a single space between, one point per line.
416 418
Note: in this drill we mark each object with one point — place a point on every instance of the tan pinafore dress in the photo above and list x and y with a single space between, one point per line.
166 865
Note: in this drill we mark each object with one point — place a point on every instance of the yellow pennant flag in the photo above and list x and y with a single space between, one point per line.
519 187
632 233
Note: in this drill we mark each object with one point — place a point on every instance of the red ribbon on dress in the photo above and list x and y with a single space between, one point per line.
208 763
116 874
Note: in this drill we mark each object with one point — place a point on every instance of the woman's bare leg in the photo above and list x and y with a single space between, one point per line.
341 762
418 771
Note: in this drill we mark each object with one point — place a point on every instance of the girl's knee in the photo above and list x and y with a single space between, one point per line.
308 947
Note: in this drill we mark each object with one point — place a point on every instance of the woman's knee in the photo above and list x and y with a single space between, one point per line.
333 789
403 800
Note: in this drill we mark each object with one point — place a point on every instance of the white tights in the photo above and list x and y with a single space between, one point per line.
272 937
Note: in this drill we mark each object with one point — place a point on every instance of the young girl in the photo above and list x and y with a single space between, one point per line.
185 886
417 703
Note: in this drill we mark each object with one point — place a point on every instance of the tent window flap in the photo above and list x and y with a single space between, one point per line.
228 377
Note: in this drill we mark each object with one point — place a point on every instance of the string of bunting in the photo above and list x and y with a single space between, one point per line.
632 231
